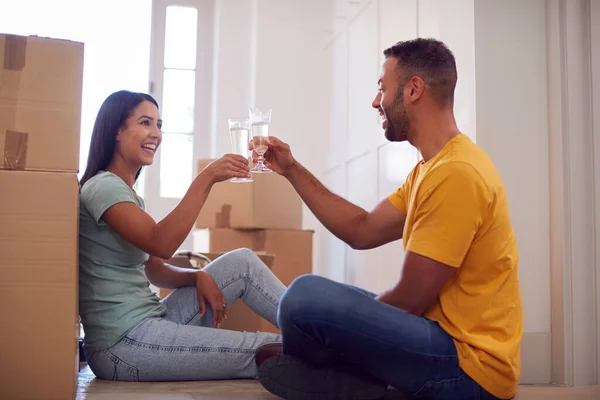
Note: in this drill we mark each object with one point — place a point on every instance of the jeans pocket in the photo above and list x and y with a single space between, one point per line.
124 371
105 365
451 389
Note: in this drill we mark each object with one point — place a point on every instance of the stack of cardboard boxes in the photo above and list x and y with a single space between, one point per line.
40 116
264 216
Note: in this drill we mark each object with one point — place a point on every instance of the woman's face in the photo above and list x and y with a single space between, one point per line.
138 140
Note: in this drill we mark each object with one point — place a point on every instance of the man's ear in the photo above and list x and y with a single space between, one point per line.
416 88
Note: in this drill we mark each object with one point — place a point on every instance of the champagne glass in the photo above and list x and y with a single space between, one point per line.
239 132
260 119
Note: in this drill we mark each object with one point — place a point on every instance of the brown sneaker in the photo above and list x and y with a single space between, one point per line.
267 351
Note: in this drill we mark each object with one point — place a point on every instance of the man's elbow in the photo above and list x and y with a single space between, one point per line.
419 309
416 311
356 244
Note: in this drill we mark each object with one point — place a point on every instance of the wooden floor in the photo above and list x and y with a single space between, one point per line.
90 388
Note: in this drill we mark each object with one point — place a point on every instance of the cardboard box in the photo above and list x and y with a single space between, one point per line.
40 103
292 248
39 222
270 202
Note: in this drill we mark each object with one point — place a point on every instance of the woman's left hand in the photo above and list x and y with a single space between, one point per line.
208 292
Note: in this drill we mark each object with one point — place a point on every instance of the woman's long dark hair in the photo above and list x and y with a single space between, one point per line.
112 116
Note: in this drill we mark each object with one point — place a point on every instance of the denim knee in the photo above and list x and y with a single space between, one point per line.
248 258
243 254
304 295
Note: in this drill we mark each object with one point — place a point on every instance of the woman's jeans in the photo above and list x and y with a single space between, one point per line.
182 346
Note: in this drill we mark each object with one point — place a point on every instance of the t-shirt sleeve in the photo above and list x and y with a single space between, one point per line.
104 191
399 197
451 205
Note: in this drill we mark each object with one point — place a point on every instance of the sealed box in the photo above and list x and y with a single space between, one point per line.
39 222
270 202
40 103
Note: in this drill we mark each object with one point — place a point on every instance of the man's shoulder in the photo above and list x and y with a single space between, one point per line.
467 160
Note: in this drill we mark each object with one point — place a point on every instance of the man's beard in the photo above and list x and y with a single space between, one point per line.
398 124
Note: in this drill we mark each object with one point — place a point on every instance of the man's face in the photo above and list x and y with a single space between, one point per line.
390 102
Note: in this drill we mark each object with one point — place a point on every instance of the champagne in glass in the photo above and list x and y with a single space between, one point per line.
260 120
239 132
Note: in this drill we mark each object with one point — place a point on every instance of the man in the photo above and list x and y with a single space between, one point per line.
451 327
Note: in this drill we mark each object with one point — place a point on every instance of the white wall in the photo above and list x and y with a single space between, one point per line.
232 72
512 127
595 67
267 55
573 167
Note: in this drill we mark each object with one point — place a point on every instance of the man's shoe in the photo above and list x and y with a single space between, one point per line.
268 350
294 379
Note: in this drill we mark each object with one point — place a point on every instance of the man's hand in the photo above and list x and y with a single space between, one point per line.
208 292
278 156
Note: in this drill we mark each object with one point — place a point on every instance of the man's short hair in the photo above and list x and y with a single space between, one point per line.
431 60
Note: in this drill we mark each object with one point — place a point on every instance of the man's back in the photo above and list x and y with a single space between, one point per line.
457 214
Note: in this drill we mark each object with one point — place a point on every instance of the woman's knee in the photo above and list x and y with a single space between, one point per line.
243 256
235 260
249 259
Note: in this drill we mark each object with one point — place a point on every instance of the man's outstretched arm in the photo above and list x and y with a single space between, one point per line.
352 224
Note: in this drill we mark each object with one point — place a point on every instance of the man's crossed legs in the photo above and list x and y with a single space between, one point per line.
336 335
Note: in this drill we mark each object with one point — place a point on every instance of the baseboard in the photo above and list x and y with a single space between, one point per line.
536 358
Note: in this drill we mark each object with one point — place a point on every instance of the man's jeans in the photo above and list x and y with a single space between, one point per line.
329 323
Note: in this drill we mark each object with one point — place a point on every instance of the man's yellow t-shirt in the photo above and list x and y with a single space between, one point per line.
457 214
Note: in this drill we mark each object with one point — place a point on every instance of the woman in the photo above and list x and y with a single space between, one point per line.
130 334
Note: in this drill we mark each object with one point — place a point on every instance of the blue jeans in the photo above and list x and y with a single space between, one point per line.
182 346
329 323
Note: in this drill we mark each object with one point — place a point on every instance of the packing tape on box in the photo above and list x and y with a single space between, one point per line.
258 241
15 143
223 217
15 150
15 51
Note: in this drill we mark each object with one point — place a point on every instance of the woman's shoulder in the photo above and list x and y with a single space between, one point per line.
102 180
104 184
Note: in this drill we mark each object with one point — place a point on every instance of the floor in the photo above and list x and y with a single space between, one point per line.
90 388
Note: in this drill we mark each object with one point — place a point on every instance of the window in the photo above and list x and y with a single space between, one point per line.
178 101
176 161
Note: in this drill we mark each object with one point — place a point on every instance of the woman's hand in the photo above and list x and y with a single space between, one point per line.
227 167
208 292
